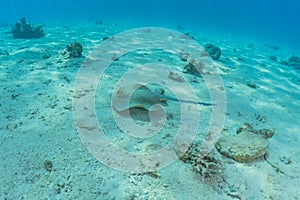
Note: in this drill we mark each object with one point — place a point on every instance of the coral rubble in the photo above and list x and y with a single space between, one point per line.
207 166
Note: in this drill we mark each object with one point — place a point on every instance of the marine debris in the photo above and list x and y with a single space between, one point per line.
26 30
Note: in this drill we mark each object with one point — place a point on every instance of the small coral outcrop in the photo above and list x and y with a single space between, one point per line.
265 133
73 50
214 51
25 30
294 61
191 69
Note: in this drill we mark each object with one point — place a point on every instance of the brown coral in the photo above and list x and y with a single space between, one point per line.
207 166
73 50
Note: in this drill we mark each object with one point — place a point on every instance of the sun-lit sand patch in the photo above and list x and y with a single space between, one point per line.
37 125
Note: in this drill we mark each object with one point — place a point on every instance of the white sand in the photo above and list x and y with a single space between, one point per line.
37 124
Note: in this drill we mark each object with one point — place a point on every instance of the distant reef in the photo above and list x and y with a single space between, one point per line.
26 30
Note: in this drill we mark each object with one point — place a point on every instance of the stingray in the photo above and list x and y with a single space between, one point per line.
145 98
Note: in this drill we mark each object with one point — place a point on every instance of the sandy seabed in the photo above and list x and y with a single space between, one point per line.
42 157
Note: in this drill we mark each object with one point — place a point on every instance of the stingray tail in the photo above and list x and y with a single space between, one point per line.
188 101
206 104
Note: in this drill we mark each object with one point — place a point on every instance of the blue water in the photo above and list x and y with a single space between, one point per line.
271 20
45 102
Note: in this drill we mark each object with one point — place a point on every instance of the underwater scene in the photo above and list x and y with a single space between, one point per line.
149 100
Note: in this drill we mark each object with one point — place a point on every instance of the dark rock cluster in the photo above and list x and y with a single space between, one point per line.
294 61
191 69
25 30
214 51
73 50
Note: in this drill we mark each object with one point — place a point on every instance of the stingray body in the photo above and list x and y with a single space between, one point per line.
144 98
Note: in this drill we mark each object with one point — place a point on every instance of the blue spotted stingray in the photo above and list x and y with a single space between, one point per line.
144 98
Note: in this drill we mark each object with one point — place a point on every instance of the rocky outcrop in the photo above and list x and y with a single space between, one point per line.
73 50
214 51
25 30
294 61
248 145
245 147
